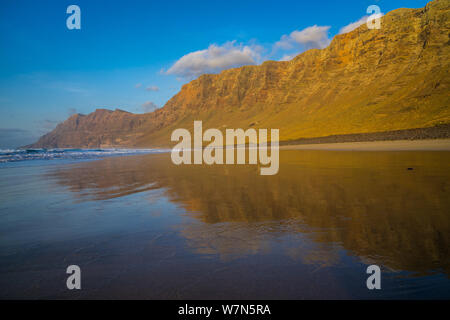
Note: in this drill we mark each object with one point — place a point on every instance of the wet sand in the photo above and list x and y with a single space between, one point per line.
141 227
398 145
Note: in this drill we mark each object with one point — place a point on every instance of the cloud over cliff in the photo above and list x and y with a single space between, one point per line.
215 59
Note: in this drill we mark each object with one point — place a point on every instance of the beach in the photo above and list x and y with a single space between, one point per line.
395 145
140 227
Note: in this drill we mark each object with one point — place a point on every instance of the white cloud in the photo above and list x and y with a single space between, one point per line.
215 59
152 88
288 57
308 38
285 42
138 85
352 26
149 106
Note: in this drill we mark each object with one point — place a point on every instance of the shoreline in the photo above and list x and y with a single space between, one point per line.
387 145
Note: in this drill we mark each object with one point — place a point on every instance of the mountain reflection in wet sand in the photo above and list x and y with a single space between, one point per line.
316 225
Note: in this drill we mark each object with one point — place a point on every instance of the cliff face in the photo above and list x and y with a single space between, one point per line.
365 81
100 128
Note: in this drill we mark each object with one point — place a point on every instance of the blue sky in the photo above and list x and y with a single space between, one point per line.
134 55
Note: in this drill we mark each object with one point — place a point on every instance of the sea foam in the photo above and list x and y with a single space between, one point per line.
14 155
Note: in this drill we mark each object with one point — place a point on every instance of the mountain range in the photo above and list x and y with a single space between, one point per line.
366 81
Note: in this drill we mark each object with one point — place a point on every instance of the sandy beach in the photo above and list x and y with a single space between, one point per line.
141 227
397 145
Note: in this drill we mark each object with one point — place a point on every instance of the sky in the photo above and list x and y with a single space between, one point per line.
135 55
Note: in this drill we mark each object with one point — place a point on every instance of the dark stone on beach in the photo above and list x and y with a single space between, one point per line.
437 132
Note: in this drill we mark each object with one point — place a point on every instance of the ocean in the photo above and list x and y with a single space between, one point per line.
15 155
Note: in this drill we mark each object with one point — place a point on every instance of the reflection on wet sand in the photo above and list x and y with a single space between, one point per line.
367 203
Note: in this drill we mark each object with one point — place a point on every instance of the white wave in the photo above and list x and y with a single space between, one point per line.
13 155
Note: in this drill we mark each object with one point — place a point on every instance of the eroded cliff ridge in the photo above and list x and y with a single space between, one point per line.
393 78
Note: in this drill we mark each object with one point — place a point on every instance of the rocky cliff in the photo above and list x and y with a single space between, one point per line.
365 81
